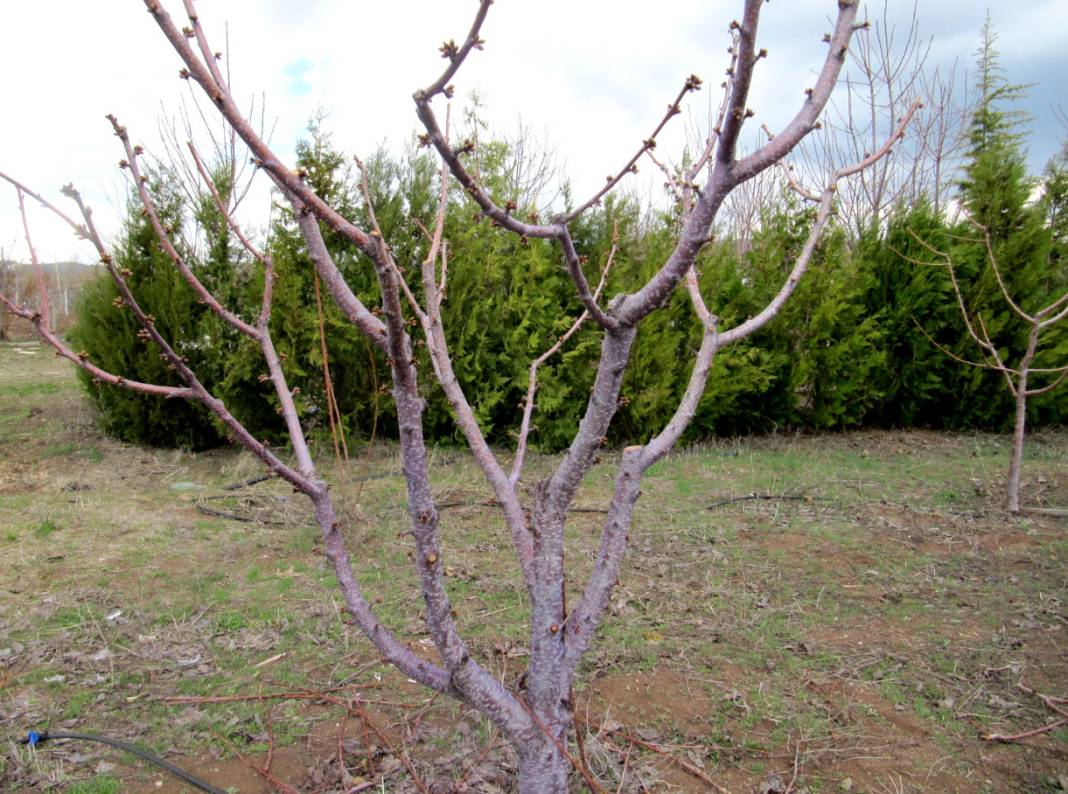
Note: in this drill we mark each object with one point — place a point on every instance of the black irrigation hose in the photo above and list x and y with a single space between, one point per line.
34 738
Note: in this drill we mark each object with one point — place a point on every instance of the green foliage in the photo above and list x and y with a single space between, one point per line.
44 529
356 371
834 345
1054 210
810 367
1009 238
100 784
1052 407
857 343
108 331
915 309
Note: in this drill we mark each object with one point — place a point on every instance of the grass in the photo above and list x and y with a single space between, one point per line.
101 784
864 605
44 529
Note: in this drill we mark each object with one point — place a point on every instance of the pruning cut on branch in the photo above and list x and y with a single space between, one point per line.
538 718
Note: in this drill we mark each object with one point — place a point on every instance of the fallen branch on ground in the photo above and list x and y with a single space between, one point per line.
770 497
1051 702
689 768
236 486
302 695
276 783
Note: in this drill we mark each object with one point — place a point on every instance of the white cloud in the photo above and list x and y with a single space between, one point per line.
596 75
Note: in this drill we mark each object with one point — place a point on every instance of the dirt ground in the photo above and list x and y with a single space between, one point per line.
797 614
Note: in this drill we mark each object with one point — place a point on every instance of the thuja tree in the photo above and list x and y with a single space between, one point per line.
538 718
917 383
114 340
1006 270
330 366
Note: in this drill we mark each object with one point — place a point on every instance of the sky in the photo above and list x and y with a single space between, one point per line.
590 78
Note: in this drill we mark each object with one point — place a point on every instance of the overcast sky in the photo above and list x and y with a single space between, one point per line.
591 76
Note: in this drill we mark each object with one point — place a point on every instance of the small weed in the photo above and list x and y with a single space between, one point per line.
77 703
44 529
101 784
92 454
945 498
69 618
230 620
59 450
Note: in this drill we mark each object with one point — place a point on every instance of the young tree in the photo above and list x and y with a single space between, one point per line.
1020 377
1016 293
537 719
888 69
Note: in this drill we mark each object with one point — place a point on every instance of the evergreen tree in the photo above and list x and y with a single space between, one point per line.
1052 407
912 305
107 331
996 193
1054 209
305 322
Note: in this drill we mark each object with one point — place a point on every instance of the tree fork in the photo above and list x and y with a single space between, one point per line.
537 722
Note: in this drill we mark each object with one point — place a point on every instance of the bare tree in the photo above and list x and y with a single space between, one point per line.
888 71
1018 377
748 205
536 719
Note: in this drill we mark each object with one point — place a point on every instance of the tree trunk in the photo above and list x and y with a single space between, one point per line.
543 769
1017 446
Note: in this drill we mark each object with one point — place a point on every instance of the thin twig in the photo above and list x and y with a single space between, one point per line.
797 768
1051 702
302 695
532 385
236 486
356 708
623 772
270 742
771 497
690 768
575 764
276 782
478 760
1012 737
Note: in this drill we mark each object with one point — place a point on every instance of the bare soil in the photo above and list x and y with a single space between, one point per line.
836 613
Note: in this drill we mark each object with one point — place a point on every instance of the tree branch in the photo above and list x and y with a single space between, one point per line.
693 83
532 381
289 182
82 361
457 55
163 234
728 173
816 99
42 286
740 76
434 334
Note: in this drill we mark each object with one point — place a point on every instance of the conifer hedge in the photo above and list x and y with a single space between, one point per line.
855 346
